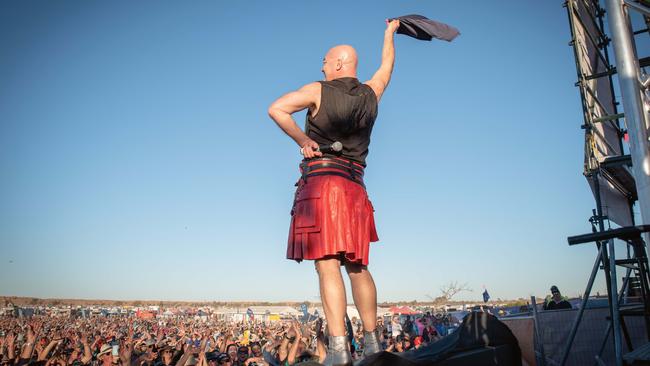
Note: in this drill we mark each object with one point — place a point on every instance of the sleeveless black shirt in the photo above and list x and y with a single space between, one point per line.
347 113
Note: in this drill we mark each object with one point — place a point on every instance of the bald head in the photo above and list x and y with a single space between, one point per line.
340 61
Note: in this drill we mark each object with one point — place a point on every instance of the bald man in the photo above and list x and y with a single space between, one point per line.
332 219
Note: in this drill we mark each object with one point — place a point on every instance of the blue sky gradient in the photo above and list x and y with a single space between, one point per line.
139 162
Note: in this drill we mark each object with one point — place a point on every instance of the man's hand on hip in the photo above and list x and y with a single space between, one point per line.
309 149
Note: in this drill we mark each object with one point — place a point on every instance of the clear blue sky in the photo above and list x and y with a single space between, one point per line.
138 160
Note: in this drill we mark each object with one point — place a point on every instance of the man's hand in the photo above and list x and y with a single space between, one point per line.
296 328
392 25
310 149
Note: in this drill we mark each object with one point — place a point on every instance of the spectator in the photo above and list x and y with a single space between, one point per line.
231 351
242 355
556 301
429 333
406 342
408 326
417 342
395 327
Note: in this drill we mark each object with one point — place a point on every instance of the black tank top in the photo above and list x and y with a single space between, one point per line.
347 112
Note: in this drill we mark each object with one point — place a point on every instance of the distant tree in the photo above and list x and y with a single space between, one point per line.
452 289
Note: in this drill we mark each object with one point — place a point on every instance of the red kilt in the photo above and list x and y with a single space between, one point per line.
332 216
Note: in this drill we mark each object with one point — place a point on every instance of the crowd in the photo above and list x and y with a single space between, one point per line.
129 341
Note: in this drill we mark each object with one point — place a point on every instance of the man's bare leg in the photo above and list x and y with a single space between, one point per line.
332 294
364 294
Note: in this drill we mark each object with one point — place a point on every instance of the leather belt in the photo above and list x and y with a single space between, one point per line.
328 166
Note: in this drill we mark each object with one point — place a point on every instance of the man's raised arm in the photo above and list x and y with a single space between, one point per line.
282 109
380 80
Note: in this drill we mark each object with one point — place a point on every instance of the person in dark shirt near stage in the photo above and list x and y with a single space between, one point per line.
556 302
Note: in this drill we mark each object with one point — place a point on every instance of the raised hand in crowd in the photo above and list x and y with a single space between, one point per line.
87 355
125 352
43 355
10 340
293 350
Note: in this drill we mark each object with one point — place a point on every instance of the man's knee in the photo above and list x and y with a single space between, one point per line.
327 265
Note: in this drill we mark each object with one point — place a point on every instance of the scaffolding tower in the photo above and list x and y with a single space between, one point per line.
617 160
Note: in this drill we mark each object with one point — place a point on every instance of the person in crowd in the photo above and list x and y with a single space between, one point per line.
408 325
429 332
407 344
395 327
417 342
242 355
556 301
231 351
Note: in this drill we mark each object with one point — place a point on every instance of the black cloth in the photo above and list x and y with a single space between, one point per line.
347 113
420 27
552 305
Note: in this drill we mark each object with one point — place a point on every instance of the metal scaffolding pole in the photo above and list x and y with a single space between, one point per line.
630 84
613 298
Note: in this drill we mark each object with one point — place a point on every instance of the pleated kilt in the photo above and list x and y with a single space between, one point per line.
332 215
